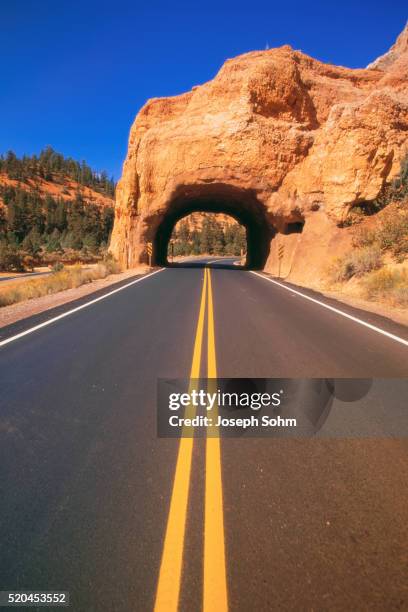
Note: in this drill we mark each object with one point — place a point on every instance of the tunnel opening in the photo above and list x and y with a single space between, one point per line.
205 233
295 227
241 205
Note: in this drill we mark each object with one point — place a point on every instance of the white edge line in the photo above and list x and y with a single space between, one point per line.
69 312
336 310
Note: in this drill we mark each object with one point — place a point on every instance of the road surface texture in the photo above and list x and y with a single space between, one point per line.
94 503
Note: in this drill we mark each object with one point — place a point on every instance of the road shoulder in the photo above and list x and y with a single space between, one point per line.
42 308
382 322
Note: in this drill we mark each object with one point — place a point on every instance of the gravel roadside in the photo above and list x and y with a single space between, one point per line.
27 308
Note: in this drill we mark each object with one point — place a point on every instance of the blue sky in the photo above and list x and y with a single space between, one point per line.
74 74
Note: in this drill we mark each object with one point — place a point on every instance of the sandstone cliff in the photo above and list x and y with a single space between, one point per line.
276 137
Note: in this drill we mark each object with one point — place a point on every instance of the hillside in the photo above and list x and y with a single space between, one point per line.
195 221
52 209
55 210
60 187
207 233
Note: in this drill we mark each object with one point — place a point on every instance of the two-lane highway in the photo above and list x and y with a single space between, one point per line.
87 488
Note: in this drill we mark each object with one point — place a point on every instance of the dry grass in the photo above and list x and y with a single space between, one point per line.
389 233
355 263
387 285
55 282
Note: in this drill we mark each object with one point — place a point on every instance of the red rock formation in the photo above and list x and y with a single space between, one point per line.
278 139
195 220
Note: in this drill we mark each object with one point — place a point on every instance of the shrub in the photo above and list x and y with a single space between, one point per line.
365 260
57 267
399 296
389 234
363 236
389 285
393 234
10 258
28 261
111 264
340 270
355 263
399 187
354 216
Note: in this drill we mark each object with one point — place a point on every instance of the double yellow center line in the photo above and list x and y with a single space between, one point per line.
214 579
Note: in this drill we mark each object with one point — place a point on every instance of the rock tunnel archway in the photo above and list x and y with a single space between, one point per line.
240 204
275 135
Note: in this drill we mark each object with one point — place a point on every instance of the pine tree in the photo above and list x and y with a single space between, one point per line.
54 241
53 166
32 242
205 237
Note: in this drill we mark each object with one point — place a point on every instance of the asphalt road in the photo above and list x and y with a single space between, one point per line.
28 275
87 489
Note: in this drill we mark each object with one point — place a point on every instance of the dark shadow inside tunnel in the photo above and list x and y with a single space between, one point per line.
294 228
240 204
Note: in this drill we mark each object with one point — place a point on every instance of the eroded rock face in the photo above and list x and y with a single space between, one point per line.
277 135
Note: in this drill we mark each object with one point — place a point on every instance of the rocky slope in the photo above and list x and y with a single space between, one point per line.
195 221
65 189
277 135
